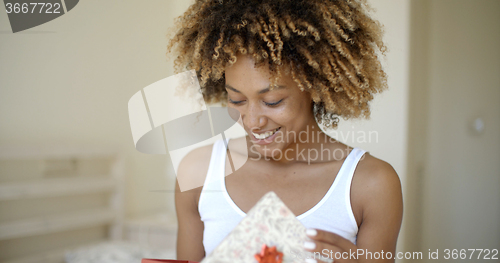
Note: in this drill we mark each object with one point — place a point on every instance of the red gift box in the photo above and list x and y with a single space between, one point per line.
152 260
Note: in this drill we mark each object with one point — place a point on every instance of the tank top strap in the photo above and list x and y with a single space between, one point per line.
217 215
344 194
350 166
221 162
214 171
218 160
346 172
337 188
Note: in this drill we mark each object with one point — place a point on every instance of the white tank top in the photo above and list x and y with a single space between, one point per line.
220 214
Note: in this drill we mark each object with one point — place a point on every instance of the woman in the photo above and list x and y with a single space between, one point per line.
286 66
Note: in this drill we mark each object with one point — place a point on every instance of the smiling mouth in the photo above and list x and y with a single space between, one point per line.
266 134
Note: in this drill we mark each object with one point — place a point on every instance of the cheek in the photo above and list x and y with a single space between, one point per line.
296 112
302 106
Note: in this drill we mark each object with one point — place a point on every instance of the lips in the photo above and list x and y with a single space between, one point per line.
265 135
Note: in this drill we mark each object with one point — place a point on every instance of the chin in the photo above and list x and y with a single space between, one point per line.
267 151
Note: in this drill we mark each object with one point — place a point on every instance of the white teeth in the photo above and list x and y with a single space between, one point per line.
265 135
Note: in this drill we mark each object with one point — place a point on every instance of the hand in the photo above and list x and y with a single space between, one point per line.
336 247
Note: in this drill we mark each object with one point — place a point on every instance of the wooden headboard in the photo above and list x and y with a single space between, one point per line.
58 197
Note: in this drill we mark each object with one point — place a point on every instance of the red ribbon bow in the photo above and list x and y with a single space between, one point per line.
269 255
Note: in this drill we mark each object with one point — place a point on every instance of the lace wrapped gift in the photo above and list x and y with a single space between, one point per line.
270 233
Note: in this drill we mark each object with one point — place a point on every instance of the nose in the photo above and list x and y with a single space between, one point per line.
254 117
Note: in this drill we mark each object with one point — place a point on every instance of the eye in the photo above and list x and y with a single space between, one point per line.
273 103
234 102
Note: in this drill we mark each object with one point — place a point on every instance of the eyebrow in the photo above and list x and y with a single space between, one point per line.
266 89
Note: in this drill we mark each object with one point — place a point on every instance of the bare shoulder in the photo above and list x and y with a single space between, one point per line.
372 170
376 185
192 172
196 158
194 166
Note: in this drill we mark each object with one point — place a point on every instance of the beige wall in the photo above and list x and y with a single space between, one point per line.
70 80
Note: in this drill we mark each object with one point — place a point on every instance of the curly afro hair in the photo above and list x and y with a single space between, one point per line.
329 47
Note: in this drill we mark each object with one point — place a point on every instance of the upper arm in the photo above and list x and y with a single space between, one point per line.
192 170
382 208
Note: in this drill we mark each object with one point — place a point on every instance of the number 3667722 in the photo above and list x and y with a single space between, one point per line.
32 8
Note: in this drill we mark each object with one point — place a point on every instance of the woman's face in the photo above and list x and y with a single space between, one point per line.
270 117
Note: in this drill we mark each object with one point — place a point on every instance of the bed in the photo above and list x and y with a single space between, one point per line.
64 203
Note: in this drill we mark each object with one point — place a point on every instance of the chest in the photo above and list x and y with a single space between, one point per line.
300 186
